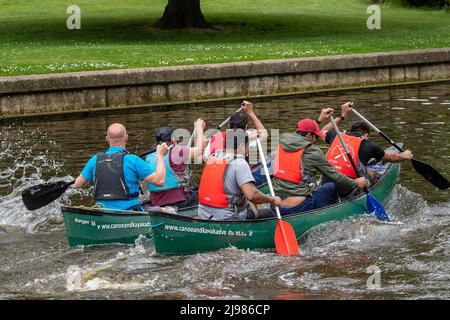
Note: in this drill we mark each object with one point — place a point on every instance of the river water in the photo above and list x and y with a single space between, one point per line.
412 254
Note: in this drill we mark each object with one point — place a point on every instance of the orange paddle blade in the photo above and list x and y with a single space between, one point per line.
285 239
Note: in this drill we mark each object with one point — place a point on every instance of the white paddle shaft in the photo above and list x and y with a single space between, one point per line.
219 128
266 171
227 119
191 138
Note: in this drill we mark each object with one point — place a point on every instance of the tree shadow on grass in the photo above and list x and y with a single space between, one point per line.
239 27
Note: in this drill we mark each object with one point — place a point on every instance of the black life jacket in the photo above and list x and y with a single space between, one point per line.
110 183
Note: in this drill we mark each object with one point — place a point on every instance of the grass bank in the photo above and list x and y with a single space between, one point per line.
119 34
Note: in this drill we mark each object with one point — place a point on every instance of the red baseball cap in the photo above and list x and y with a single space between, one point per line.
309 125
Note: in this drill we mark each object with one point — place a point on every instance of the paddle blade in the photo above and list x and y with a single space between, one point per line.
377 208
38 196
285 239
426 171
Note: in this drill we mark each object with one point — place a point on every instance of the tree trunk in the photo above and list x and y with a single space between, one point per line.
182 14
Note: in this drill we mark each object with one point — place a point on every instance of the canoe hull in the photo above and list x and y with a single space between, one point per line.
87 228
175 234
178 234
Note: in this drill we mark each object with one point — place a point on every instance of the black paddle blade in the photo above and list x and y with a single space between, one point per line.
38 196
430 174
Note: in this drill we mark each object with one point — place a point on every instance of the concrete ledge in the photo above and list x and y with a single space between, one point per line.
81 91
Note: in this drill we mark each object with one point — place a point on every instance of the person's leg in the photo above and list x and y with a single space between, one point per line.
266 213
191 201
372 175
250 214
306 205
324 195
193 198
138 207
149 208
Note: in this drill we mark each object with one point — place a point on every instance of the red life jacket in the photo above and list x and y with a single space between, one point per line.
288 165
211 192
217 142
337 157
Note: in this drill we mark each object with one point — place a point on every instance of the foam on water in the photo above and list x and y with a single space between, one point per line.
413 100
22 166
127 270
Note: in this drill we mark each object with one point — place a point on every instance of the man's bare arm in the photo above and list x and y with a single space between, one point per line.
158 177
346 108
261 131
80 182
195 153
255 196
397 157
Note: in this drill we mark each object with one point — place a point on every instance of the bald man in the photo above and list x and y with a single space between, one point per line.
116 173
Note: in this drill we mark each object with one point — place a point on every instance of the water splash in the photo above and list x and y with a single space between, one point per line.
26 161
411 254
127 270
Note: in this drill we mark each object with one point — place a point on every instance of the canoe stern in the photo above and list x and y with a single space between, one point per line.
88 228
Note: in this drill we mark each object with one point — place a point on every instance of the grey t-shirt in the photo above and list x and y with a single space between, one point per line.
238 172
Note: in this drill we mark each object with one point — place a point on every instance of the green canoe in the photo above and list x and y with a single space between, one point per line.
182 233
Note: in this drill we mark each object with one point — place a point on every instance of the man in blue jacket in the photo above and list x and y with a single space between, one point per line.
116 173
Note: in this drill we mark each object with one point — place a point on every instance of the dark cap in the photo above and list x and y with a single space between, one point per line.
235 137
164 134
360 126
238 120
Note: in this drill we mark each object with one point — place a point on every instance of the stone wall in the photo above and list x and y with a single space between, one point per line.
99 90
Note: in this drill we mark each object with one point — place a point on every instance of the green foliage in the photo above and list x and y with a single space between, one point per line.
428 3
435 4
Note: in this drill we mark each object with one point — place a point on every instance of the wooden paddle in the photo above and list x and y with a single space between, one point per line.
372 204
285 238
424 169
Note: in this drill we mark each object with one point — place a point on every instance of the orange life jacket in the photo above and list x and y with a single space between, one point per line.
337 157
211 192
217 142
287 165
